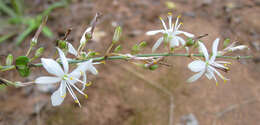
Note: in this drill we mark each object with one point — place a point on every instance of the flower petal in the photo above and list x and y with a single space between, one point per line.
83 37
214 50
204 51
196 76
72 49
157 44
185 33
52 67
197 66
56 97
153 32
47 80
181 40
64 60
174 42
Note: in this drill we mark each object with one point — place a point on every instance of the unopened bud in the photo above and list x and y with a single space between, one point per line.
118 48
34 41
39 52
62 44
117 34
190 42
9 60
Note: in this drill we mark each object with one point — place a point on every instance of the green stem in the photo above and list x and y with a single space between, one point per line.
97 59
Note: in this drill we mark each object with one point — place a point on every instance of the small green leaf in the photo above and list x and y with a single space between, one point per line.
226 43
47 32
22 65
9 60
39 52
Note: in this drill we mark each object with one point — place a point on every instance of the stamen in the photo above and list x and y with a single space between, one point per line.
88 84
169 13
86 96
179 16
71 78
63 96
216 83
160 18
76 101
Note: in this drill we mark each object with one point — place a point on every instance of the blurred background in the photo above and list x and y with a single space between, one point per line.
123 94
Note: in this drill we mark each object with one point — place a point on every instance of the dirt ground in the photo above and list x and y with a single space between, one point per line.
122 94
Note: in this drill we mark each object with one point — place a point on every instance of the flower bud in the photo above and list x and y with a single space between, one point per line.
117 49
9 60
117 34
39 52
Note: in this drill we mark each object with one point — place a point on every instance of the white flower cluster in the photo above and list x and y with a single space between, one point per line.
68 80
209 66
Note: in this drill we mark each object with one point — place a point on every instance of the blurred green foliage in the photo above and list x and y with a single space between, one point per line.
15 9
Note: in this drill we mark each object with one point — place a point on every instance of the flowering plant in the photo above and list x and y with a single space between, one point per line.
85 60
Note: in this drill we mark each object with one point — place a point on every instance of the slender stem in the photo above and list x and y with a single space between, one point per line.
97 59
123 57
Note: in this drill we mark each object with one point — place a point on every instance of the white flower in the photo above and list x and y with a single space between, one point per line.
66 79
83 37
232 48
172 31
209 66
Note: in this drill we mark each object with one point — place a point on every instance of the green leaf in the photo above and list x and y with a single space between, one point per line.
226 43
22 65
135 49
47 32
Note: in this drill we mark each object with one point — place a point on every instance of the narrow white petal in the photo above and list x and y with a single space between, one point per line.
153 32
64 60
83 37
181 40
214 50
185 33
157 44
218 73
56 97
204 51
85 82
196 76
197 66
72 49
222 62
47 80
52 67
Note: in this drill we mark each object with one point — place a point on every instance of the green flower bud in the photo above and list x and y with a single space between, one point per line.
39 52
190 42
9 60
117 34
117 49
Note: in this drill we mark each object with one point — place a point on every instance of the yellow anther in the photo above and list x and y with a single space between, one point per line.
97 53
89 50
71 78
216 83
160 18
104 62
225 65
88 84
179 16
63 96
86 96
170 13
76 101
181 23
155 62
225 81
